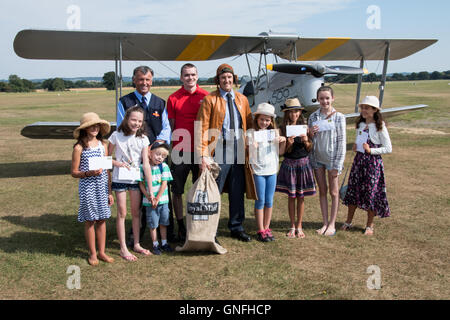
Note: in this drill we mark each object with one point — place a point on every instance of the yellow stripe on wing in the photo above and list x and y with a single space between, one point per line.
323 49
202 47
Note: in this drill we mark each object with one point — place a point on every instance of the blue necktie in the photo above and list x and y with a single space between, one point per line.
144 103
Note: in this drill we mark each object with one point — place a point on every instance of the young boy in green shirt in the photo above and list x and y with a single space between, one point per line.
158 209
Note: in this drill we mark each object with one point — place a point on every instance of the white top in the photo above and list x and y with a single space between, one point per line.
263 156
127 149
378 137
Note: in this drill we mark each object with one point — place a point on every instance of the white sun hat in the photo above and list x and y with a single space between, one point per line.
371 101
266 109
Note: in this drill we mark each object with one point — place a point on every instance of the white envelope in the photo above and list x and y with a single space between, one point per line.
264 135
361 138
296 130
133 174
325 125
104 163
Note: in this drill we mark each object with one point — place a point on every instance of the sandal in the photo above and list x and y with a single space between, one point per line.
291 233
299 233
368 231
129 258
142 251
347 226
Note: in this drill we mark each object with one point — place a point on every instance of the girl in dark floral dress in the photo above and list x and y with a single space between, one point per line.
366 184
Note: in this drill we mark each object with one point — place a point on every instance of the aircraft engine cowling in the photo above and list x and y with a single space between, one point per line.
307 88
283 86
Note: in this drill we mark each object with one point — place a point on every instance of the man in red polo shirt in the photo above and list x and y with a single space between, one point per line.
182 108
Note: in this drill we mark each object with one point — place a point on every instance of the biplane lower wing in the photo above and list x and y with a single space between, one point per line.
54 130
387 113
64 130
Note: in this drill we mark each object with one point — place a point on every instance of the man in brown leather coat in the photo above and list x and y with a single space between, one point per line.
225 115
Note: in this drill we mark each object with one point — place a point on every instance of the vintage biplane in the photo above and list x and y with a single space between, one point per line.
297 71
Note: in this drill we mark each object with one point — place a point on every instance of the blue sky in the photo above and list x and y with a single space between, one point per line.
307 18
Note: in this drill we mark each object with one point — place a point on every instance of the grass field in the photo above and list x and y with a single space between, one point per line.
40 236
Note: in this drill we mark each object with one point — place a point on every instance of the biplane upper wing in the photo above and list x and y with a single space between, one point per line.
334 49
88 45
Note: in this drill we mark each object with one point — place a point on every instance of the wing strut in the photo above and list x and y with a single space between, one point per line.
250 70
358 91
265 63
118 75
383 77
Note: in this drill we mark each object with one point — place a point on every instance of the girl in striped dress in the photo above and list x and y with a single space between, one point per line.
94 186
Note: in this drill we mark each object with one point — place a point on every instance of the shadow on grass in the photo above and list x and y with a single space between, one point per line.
51 233
34 169
60 234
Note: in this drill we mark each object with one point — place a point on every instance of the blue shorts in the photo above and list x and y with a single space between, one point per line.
158 216
323 165
116 186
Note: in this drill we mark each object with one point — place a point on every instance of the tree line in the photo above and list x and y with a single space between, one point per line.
17 84
373 77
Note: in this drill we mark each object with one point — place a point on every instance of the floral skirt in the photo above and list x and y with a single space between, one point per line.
296 178
366 185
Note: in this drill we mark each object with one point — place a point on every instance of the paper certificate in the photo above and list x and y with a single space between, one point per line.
325 125
264 135
361 138
96 163
133 174
296 131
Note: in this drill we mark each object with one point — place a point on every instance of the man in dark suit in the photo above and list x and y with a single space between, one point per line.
156 120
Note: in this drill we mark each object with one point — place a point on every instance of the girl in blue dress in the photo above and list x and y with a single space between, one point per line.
366 183
94 186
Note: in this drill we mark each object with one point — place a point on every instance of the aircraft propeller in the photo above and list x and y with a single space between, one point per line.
316 69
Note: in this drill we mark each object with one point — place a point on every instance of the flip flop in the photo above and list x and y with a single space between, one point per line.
142 251
346 226
129 258
329 234
368 231
291 233
299 233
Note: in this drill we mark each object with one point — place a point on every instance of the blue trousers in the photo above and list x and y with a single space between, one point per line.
265 189
233 175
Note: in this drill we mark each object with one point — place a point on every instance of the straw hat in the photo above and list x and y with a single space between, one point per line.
371 101
292 104
89 119
266 109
